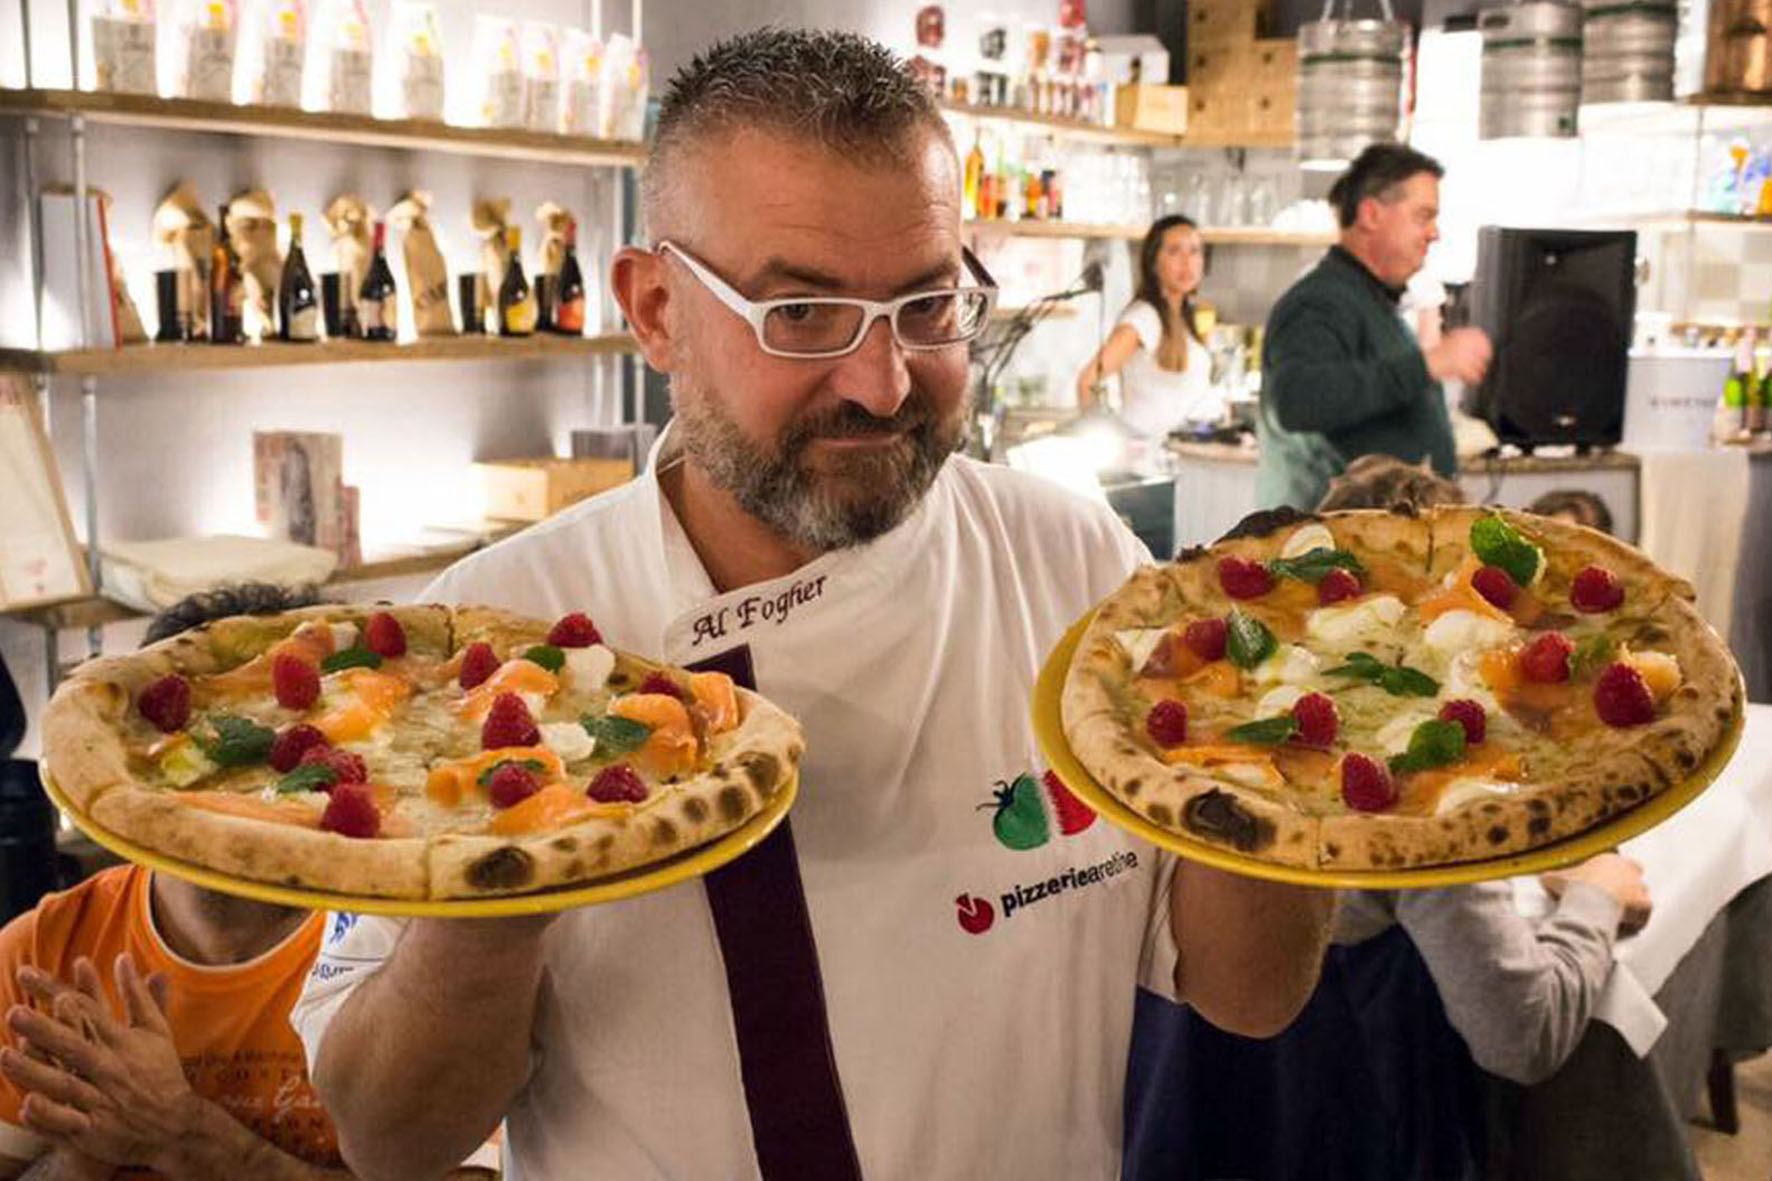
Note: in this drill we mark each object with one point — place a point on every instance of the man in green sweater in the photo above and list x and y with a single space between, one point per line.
1343 375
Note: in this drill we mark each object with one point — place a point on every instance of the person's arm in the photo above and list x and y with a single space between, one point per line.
1519 995
1121 343
1313 382
59 1164
424 1057
1250 951
115 1091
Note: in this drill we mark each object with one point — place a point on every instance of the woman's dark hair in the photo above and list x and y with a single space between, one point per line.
1579 503
241 598
1150 288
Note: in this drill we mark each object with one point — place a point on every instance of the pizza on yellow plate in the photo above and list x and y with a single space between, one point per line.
419 752
1387 690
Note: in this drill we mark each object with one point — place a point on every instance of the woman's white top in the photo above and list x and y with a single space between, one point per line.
1155 400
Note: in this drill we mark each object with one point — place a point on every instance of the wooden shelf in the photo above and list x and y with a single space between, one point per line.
1207 137
95 611
233 119
137 359
1072 129
1728 99
1214 235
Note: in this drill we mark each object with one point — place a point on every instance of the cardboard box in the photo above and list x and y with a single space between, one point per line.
1214 22
1152 108
533 489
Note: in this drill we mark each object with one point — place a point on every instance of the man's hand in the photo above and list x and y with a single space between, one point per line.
108 1089
1462 355
1619 876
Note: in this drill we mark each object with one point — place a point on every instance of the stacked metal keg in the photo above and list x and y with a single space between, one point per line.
1531 70
1627 50
1350 84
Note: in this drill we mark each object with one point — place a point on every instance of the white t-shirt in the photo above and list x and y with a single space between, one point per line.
1154 400
909 662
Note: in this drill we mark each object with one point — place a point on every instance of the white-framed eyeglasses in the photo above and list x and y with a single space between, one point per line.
818 326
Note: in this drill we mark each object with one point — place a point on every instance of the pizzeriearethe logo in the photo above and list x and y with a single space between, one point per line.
1025 813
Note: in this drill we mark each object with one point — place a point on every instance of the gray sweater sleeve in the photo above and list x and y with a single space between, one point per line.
1520 993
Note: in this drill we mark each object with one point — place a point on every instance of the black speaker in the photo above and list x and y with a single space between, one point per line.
1559 305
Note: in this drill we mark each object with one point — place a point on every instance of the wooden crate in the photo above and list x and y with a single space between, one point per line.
533 489
1216 22
1241 112
1266 65
1152 108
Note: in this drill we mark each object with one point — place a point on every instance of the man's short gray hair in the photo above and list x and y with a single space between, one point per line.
837 90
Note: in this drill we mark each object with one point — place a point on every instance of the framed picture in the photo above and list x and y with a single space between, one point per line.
39 560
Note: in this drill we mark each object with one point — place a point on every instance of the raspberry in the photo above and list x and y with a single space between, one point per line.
166 703
384 636
1337 585
511 783
1207 638
1596 589
1622 697
617 783
659 683
478 661
347 766
1546 659
351 812
508 724
1496 585
1317 720
1365 784
1167 723
574 631
293 743
1244 580
296 681
1469 714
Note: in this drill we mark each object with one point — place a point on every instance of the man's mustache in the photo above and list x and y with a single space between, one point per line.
848 420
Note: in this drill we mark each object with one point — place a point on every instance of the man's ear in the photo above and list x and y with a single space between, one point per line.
637 278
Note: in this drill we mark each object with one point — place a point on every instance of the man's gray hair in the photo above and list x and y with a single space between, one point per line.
837 90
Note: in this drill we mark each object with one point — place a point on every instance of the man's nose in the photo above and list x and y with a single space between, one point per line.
875 376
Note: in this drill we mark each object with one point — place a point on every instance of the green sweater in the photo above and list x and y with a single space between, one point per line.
1342 377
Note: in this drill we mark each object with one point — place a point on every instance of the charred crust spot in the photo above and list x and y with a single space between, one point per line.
574 870
1491 809
695 810
1538 825
1724 713
564 844
1189 553
1132 786
507 868
664 832
1331 850
1217 814
1497 834
603 842
1162 815
1404 508
1538 807
1265 521
762 769
1685 758
1630 793
620 679
732 803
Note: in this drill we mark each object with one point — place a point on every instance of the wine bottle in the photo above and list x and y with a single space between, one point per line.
227 288
569 291
516 303
378 310
298 307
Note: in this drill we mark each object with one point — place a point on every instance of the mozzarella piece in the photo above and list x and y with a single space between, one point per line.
568 740
1465 680
1278 701
535 701
1393 736
1461 792
1306 538
1139 643
344 635
1368 619
1249 774
1456 632
588 669
1289 665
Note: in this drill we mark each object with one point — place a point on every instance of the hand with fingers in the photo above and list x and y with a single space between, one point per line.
106 1088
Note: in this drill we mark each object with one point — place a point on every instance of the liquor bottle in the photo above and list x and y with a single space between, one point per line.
1757 380
298 306
974 176
227 288
378 309
569 289
516 303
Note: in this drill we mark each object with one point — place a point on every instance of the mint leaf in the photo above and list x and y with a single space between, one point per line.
1248 642
358 657
1434 743
308 777
234 741
546 655
1266 732
616 736
1312 566
1590 654
1498 543
485 778
1408 682
1360 665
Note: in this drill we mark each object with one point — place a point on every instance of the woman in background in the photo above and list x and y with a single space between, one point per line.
1156 348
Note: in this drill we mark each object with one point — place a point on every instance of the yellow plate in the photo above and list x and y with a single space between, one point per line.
1049 729
691 863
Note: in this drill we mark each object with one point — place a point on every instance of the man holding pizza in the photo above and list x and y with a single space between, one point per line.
929 969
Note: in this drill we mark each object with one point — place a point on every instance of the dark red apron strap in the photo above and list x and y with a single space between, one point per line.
798 1120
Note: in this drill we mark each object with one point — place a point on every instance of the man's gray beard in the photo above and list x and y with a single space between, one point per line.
877 489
